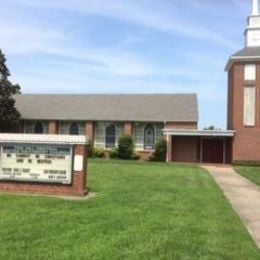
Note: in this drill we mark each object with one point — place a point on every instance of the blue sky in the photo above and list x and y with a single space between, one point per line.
125 46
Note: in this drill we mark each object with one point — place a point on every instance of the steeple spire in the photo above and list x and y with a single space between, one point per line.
255 9
252 32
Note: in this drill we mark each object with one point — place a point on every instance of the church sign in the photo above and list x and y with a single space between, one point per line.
36 163
43 164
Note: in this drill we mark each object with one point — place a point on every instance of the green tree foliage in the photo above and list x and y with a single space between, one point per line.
9 115
160 152
212 127
125 147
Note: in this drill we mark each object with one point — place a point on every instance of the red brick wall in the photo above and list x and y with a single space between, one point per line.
90 130
181 125
177 125
53 128
184 149
77 188
144 155
128 128
246 144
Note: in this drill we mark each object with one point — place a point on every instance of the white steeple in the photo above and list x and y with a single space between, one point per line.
255 10
252 32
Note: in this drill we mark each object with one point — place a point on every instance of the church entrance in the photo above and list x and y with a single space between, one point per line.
213 150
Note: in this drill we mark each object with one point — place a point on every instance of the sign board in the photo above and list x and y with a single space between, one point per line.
36 163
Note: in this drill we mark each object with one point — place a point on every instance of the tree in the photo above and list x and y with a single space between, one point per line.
212 127
9 116
125 147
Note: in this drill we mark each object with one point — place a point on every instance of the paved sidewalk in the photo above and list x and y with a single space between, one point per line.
243 195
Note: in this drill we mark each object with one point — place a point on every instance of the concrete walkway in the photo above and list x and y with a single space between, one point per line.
243 195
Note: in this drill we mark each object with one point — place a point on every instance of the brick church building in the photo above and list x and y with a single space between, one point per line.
244 93
149 118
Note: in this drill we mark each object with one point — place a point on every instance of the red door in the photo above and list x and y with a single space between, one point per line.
212 150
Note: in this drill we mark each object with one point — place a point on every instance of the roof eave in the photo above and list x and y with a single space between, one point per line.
195 120
194 132
240 58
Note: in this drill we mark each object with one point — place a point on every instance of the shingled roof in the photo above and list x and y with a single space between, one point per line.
248 54
143 107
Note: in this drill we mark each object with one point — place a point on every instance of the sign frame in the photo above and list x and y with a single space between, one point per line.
69 175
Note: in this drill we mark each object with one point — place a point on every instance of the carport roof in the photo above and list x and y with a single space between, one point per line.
206 133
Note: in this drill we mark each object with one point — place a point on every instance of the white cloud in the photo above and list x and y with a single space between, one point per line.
109 69
145 13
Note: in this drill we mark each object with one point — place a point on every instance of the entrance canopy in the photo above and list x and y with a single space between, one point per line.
209 133
204 146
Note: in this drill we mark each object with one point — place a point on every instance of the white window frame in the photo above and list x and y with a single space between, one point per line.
250 72
64 127
100 133
138 135
29 127
249 105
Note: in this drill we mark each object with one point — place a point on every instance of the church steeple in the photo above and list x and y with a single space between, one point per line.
252 32
255 10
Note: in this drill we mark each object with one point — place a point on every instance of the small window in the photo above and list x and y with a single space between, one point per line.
149 137
74 129
110 136
250 72
38 128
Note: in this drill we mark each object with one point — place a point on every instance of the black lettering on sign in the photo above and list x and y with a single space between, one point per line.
44 161
22 155
7 170
34 175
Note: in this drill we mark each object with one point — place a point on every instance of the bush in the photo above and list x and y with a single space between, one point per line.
113 154
126 147
90 150
136 156
159 155
98 153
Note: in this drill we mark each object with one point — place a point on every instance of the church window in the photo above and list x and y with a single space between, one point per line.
250 72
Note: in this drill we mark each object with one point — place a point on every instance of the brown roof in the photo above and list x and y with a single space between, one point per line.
106 107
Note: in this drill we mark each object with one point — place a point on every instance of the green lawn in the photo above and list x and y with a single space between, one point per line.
250 172
141 211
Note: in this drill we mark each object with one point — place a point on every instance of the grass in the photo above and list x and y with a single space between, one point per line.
250 172
141 211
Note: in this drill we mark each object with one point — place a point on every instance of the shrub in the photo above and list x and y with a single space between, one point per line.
160 152
98 153
113 154
136 156
90 150
125 147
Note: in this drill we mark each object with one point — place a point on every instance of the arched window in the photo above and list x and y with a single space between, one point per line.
149 137
110 136
38 128
74 129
